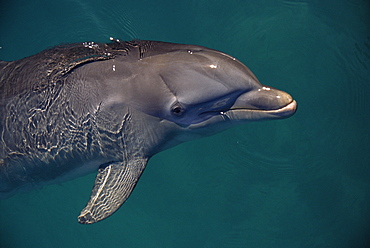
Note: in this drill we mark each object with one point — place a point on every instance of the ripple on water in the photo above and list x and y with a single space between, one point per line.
122 23
111 20
269 147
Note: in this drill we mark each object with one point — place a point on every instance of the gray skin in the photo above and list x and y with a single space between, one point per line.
76 109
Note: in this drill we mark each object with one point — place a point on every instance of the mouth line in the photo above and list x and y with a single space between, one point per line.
290 107
240 114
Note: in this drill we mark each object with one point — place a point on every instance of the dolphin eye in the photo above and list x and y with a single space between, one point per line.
177 109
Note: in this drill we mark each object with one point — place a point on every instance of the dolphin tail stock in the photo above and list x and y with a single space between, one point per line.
113 185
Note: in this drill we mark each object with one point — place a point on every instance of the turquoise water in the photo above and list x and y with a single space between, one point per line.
299 182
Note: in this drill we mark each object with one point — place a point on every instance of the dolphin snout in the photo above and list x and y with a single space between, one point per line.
265 98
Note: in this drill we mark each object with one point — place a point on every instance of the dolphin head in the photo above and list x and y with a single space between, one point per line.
204 90
187 91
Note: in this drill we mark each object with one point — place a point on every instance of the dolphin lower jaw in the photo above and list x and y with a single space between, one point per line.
224 120
260 104
240 114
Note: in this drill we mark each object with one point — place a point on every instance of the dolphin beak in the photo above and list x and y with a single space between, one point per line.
262 103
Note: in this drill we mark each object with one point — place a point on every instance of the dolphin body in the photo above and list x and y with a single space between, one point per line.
75 109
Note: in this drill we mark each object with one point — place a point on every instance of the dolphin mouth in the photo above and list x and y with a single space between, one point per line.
258 114
263 103
248 115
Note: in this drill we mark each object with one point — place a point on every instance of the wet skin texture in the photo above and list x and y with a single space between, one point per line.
81 108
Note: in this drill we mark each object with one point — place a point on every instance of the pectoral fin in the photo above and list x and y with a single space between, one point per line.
113 185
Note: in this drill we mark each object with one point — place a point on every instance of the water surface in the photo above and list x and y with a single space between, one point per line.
299 182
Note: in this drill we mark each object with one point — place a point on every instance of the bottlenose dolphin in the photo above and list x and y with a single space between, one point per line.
75 109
